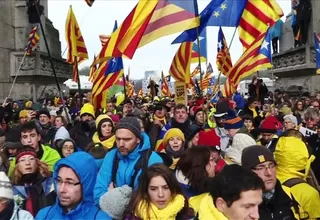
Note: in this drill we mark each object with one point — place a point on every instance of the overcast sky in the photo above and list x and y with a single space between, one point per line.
99 19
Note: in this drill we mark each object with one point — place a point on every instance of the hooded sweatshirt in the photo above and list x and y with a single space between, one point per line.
84 166
61 134
293 161
125 168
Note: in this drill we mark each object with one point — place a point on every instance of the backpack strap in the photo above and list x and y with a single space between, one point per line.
292 182
114 169
142 163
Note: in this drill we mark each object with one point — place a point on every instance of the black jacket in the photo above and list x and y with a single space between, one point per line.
82 135
279 207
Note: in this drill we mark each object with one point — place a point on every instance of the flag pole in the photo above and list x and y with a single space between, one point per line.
196 10
51 62
17 72
124 86
230 44
78 76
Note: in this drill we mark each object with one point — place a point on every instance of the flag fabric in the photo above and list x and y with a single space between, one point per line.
216 13
148 21
89 2
256 57
140 93
205 83
229 88
93 69
317 49
104 39
224 62
209 70
130 88
203 48
77 51
117 87
196 71
108 73
180 66
33 40
165 91
211 85
256 18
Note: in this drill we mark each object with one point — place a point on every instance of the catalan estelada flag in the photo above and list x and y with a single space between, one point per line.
149 21
256 18
180 66
203 48
224 62
256 57
77 51
89 2
33 40
108 73
196 71
317 50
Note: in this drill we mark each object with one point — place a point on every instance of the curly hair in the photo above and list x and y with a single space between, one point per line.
42 168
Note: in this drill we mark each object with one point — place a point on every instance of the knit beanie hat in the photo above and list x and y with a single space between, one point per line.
172 132
87 109
233 121
43 111
102 118
5 187
291 118
269 125
197 109
115 201
192 130
239 142
255 155
132 124
23 113
209 138
26 150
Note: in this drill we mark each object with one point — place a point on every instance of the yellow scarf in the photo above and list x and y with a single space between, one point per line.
162 120
168 213
255 114
108 144
209 211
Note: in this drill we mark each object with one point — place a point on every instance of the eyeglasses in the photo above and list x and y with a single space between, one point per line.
69 184
308 119
264 168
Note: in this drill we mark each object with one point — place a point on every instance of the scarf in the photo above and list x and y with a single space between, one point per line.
162 120
168 213
108 143
209 211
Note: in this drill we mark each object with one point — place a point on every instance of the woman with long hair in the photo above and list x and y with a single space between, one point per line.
32 184
158 196
105 132
193 170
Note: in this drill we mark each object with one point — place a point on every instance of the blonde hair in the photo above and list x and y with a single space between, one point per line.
42 168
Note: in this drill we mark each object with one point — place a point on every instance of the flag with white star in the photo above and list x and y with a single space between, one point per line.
224 62
265 48
317 50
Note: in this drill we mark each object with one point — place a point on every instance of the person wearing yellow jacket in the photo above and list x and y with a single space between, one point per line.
235 193
293 166
30 136
105 132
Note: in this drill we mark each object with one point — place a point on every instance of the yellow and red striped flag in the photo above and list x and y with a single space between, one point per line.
224 62
93 69
104 39
89 2
165 91
33 40
255 58
140 93
148 21
256 18
130 88
180 66
229 88
77 51
196 70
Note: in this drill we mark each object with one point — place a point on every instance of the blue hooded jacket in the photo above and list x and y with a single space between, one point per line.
125 169
84 166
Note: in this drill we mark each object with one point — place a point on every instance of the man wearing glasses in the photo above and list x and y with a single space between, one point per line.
74 178
277 200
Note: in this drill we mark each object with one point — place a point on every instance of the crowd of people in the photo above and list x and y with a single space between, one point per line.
152 158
